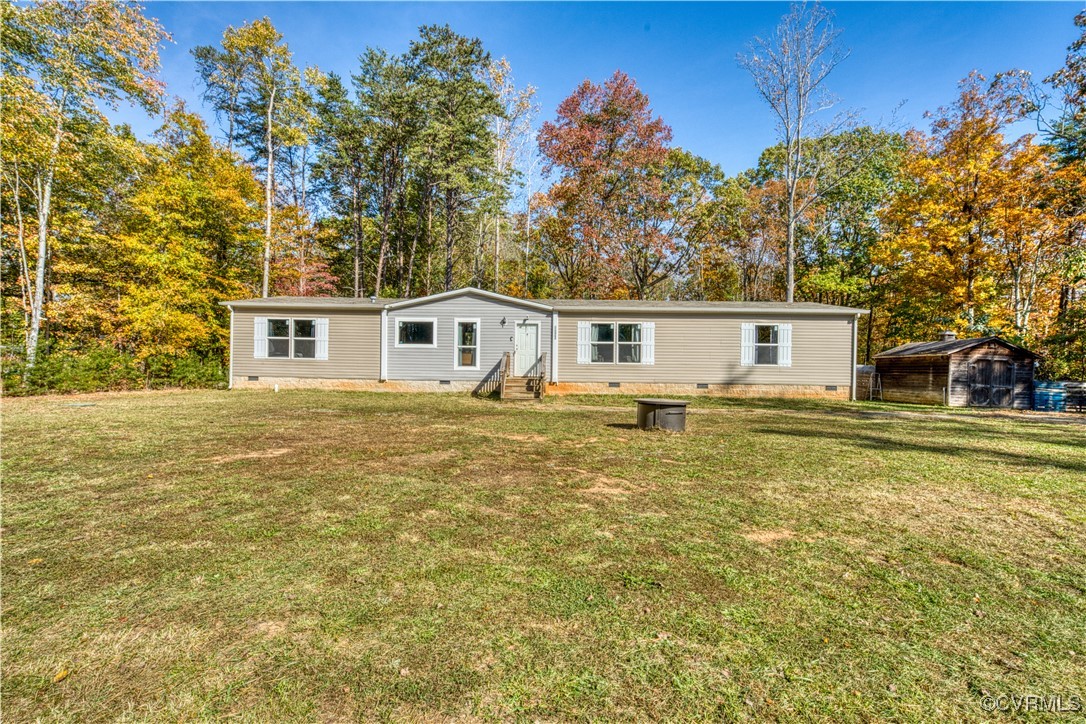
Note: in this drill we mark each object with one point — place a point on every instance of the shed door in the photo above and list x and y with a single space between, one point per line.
991 383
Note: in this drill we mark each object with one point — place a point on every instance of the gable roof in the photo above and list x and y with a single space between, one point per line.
944 348
473 291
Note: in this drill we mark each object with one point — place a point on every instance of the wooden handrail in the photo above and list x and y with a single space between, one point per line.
541 377
503 374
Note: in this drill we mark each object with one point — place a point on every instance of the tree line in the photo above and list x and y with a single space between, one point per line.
432 169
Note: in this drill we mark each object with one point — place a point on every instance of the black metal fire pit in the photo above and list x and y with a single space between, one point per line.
663 414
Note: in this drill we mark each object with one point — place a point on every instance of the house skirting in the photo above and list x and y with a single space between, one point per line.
561 388
353 385
842 392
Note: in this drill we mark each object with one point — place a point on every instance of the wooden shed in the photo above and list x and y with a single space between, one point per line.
982 372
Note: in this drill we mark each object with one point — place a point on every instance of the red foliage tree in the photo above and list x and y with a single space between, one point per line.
609 153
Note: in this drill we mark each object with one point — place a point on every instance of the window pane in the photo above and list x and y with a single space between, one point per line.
305 348
305 328
629 333
603 352
603 333
767 334
467 334
629 353
467 356
278 347
416 332
765 355
279 328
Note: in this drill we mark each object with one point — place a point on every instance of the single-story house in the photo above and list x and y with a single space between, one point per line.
470 339
980 372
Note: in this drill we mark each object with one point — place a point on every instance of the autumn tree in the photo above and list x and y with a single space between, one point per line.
606 150
974 236
187 240
63 60
743 251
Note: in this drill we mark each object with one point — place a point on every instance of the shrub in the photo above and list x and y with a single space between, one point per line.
105 368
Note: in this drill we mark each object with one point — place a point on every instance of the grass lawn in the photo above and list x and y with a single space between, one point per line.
323 555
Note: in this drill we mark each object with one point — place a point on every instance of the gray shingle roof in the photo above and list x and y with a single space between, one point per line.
943 348
641 305
312 302
568 305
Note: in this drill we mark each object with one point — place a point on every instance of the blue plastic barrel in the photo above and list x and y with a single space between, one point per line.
1050 396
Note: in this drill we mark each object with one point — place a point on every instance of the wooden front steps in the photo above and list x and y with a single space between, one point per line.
521 388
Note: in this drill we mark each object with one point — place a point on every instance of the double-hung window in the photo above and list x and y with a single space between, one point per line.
615 343
467 344
292 338
766 344
629 343
603 343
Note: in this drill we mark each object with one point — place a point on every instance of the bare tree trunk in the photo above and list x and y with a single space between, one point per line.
386 214
790 253
24 265
356 229
497 249
45 200
527 231
450 237
411 257
429 242
268 186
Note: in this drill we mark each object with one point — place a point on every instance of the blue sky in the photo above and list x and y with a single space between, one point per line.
681 54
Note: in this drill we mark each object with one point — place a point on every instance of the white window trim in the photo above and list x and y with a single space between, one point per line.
290 346
616 343
758 344
396 331
456 342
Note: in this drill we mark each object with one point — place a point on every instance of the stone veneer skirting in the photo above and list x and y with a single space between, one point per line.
562 388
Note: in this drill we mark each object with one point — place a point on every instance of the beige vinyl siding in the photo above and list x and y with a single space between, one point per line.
354 345
703 348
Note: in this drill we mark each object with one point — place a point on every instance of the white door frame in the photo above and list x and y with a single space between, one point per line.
516 341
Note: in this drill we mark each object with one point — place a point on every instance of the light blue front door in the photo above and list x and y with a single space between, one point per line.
526 353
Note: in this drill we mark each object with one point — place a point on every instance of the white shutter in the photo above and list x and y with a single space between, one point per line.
584 342
648 343
260 337
784 341
746 356
322 338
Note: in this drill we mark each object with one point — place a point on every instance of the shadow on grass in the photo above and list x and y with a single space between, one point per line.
622 425
875 442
